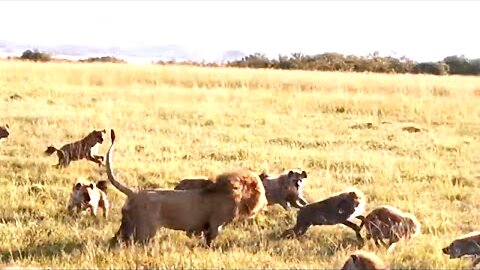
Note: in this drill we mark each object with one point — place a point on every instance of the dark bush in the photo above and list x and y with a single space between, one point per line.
35 55
436 68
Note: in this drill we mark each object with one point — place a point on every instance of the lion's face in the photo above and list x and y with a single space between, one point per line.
253 198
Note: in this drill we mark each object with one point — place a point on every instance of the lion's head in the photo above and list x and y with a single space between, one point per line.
245 189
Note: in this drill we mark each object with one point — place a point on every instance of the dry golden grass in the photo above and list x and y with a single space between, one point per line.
173 122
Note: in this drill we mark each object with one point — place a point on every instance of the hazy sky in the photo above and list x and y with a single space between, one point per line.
427 30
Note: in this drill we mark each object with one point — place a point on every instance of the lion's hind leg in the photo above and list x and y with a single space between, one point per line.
125 233
144 230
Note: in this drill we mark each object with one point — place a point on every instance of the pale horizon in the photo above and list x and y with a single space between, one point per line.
420 30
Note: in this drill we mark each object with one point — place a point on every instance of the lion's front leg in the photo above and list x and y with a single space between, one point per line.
211 234
285 205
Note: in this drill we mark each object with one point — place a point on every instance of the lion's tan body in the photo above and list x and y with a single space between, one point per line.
87 195
468 244
237 194
363 260
85 148
388 222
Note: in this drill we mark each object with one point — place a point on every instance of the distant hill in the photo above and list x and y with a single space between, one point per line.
232 55
147 53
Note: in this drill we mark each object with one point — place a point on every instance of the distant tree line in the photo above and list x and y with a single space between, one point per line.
372 63
323 62
107 59
188 63
38 56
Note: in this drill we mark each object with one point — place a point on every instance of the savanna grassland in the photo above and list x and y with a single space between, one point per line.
177 121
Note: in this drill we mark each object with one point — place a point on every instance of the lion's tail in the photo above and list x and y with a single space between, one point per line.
125 190
50 150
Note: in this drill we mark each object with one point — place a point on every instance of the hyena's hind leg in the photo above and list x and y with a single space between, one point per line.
63 160
305 221
105 205
299 229
476 261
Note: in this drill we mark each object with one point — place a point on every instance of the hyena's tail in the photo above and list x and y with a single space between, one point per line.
50 150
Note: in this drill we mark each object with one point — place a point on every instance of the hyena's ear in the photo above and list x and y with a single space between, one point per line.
446 250
290 174
304 174
6 125
78 186
353 194
354 258
91 186
263 176
103 131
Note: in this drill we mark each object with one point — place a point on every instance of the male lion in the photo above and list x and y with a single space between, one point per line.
285 189
85 148
235 195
